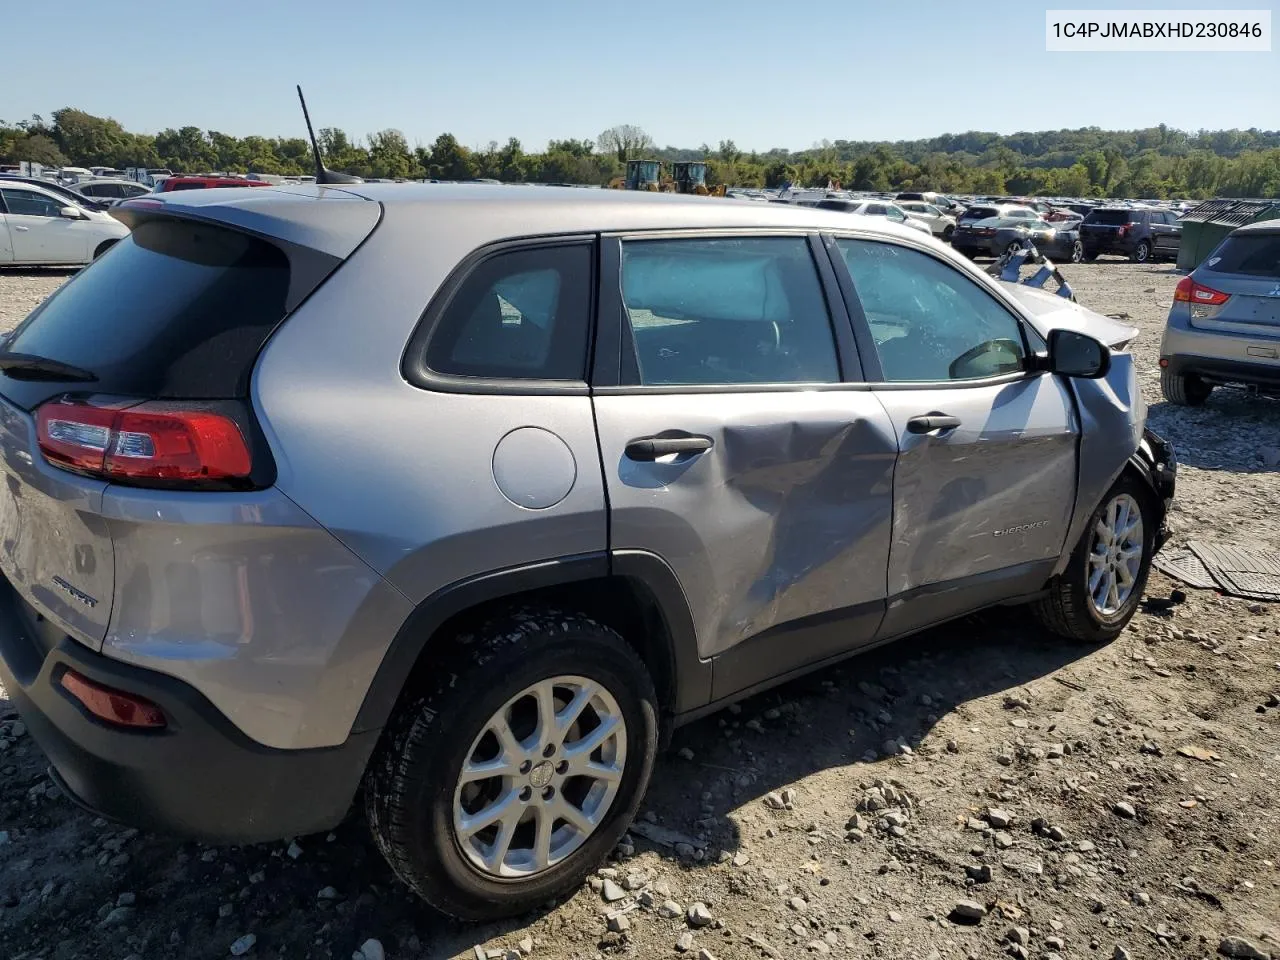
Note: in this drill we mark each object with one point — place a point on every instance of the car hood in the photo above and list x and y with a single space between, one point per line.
1049 312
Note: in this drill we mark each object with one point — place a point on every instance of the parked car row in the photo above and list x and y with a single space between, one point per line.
41 226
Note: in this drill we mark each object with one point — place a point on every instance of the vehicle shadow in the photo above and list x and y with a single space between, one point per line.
39 271
1235 430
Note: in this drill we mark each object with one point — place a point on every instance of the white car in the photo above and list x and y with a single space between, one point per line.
940 224
107 190
40 228
874 208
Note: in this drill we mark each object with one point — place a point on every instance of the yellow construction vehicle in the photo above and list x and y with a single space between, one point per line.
690 176
687 176
641 175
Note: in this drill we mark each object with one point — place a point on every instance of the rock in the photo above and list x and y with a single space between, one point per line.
294 850
526 946
798 904
705 954
327 893
1054 751
685 753
818 946
1054 943
126 900
979 874
953 746
1003 840
242 945
225 910
117 917
968 911
699 915
890 748
741 859
611 892
999 818
1018 935
1142 898
858 822
1086 846
788 797
774 801
1124 809
1023 865
1240 947
618 923
1120 953
684 850
669 910
684 943
371 949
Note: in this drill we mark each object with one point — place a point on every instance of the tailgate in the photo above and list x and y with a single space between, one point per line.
54 545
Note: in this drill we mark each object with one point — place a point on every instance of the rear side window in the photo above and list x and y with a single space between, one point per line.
727 311
522 314
1251 256
175 310
31 204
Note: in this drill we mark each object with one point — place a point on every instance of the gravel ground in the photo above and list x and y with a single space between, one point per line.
978 791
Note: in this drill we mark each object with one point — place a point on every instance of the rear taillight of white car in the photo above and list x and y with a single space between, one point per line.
149 443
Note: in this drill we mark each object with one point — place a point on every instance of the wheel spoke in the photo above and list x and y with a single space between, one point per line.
1095 577
1125 575
570 713
502 842
548 729
588 744
471 824
575 817
1103 532
499 727
582 767
542 839
500 766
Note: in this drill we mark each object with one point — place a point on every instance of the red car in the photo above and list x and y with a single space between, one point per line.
205 183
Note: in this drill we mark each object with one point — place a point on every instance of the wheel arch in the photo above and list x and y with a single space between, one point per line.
634 592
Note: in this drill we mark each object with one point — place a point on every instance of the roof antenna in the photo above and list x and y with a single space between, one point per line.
323 174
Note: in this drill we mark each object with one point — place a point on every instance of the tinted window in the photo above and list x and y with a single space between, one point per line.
730 311
523 314
929 321
980 213
844 206
1255 256
874 209
175 310
31 204
1112 218
189 185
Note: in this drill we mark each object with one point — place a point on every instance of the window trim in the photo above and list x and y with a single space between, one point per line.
862 328
614 364
413 362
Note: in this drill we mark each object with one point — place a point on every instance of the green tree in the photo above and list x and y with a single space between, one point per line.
626 142
39 148
450 160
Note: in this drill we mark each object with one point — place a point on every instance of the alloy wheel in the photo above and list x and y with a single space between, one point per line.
1115 555
540 777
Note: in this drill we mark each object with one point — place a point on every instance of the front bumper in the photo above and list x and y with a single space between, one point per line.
1156 461
200 777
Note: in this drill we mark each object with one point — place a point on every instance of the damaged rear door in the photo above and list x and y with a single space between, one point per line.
735 448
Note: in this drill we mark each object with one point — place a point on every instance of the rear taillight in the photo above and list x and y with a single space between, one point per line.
1123 231
143 442
114 706
1188 291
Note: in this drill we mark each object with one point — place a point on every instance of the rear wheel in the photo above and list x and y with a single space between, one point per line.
1184 389
1013 248
1077 252
1098 592
517 767
1142 252
947 231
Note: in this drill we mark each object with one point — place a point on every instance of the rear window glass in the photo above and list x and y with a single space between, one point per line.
1253 256
981 213
1111 218
175 310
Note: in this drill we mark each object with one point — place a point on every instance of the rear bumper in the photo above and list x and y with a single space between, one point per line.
1222 370
1108 244
200 777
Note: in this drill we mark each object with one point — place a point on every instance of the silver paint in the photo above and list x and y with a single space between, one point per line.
534 468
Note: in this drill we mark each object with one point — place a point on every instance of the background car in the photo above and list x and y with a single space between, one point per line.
981 211
42 228
940 224
110 190
1224 326
996 236
874 208
1139 233
169 184
65 192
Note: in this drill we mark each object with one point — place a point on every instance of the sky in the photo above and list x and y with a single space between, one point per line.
762 74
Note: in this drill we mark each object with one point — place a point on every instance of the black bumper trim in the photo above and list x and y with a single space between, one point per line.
1218 371
201 777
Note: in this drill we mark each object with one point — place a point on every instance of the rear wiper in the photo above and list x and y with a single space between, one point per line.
27 366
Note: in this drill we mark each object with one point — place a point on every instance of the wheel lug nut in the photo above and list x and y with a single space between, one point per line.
526 767
526 794
562 767
549 749
549 793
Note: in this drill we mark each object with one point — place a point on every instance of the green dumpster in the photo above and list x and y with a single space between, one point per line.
1206 226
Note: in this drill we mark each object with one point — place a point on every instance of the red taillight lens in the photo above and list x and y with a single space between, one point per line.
1188 291
1123 231
143 441
114 706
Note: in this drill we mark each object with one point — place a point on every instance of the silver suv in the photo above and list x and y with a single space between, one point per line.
1224 326
470 495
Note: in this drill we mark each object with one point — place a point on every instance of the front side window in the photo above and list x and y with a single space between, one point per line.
522 314
31 204
930 323
727 311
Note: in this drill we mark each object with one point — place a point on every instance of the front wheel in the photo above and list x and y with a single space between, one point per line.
1098 592
947 231
1077 252
516 767
1142 252
1089 255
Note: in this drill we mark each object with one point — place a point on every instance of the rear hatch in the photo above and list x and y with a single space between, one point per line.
1246 267
166 326
1104 226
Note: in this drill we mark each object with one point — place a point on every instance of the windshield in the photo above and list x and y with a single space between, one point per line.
1256 255
1111 218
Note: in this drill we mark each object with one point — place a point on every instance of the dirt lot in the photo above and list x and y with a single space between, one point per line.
979 791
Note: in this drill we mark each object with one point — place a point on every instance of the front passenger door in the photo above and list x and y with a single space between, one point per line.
986 474
38 231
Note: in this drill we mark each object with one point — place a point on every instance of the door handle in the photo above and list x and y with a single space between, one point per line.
932 423
648 449
20 228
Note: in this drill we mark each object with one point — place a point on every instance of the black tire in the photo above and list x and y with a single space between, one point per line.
947 231
1089 255
409 795
1142 252
1183 389
103 247
1077 252
1068 610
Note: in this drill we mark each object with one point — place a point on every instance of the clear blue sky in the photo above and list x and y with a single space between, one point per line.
761 74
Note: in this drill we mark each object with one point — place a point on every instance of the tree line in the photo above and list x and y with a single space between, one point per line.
1157 162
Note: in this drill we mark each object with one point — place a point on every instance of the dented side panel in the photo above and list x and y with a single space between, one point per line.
1112 414
787 516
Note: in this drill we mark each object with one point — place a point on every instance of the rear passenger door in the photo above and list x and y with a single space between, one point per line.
986 475
735 450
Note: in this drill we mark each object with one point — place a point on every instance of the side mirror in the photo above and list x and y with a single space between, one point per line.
1075 354
70 213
